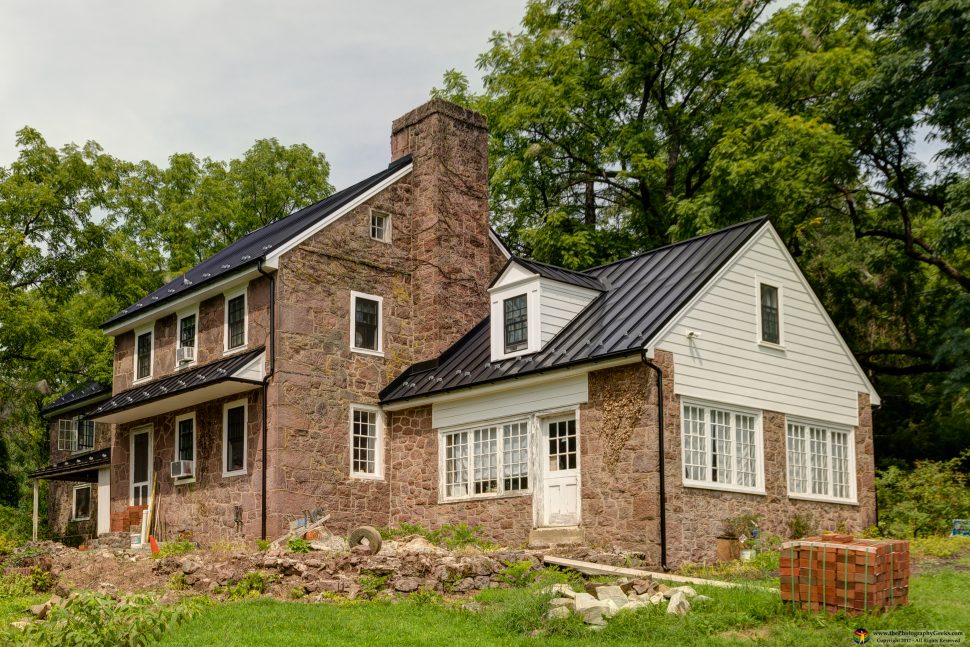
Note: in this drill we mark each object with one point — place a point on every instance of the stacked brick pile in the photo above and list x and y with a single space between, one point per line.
840 572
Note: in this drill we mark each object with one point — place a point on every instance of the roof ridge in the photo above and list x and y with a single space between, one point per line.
736 225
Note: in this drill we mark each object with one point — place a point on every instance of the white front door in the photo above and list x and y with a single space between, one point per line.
141 465
104 500
560 472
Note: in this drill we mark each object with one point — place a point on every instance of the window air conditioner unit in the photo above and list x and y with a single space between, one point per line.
185 354
182 469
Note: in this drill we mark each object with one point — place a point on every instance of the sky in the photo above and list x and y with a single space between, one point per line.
210 77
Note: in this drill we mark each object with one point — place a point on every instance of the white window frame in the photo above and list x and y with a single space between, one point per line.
851 467
758 282
759 444
386 229
530 288
74 516
378 473
225 437
500 493
185 480
149 329
146 429
227 297
182 314
380 323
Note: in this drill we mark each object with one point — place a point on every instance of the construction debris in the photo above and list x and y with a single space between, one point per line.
606 601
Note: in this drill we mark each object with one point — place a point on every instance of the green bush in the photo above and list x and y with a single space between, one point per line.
98 619
16 526
923 501
518 574
262 545
252 585
41 580
178 582
172 548
15 586
941 547
801 525
297 545
371 585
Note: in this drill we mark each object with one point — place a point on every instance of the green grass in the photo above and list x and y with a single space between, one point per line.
733 617
15 608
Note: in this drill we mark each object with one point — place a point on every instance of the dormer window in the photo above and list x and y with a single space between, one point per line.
380 226
516 323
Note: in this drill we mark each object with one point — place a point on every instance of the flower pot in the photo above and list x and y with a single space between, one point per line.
748 554
728 549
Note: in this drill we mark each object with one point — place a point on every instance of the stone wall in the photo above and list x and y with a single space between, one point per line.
210 331
412 451
206 507
60 495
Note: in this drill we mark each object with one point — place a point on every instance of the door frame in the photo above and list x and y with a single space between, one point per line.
540 455
144 429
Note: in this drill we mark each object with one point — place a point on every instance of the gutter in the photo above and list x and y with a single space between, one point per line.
265 392
663 461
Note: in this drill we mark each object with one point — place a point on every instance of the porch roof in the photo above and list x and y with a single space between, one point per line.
229 376
79 467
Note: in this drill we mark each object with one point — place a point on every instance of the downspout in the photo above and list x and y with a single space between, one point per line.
662 461
272 370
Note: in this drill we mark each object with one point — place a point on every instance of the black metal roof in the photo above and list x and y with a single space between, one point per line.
250 249
77 397
644 293
178 383
79 467
555 273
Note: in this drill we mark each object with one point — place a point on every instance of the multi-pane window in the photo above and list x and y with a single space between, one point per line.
75 435
236 322
143 351
366 330
720 447
516 323
82 503
562 445
770 319
365 443
380 226
187 331
186 439
474 460
819 461
234 439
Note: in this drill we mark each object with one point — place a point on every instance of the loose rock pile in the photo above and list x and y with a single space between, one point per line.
598 603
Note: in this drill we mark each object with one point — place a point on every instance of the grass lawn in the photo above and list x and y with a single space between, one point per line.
511 616
15 608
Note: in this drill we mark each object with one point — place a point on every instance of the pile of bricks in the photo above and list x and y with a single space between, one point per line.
125 520
840 572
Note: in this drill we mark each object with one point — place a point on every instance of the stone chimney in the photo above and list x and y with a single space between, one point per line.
450 245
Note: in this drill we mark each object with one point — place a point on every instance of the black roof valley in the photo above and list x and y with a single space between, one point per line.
642 293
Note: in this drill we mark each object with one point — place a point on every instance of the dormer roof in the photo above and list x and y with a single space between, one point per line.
553 273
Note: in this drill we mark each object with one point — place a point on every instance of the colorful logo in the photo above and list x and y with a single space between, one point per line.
861 637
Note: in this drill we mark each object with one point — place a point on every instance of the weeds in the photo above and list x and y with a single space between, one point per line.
939 547
297 593
452 536
298 545
425 597
178 582
15 586
801 525
173 548
371 585
262 545
518 574
252 585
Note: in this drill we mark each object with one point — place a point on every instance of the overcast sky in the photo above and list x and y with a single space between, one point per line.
209 77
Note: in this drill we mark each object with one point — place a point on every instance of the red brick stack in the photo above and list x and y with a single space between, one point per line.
839 572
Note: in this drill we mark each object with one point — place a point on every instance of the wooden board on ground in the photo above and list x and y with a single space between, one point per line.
592 568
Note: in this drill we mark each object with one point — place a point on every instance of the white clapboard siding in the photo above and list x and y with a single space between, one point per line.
512 402
813 376
559 303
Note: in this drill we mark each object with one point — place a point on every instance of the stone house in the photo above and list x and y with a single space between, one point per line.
381 355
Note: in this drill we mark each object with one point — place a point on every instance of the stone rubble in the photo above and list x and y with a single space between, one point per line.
601 602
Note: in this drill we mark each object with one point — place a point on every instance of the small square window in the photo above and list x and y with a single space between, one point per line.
516 312
770 314
380 226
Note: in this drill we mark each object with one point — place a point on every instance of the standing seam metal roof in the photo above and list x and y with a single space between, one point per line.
90 391
645 292
554 273
250 249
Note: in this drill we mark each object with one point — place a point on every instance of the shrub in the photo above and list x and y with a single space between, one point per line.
178 582
97 619
923 501
941 547
172 548
41 580
801 525
297 593
518 574
297 545
262 545
742 525
252 585
371 585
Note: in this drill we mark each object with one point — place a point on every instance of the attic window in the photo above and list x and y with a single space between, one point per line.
380 226
516 323
769 314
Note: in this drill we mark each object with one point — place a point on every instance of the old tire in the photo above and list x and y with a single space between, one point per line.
368 533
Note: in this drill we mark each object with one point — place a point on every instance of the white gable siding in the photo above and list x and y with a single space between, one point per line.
813 376
512 402
559 303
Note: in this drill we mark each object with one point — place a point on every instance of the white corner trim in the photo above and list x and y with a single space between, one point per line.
272 259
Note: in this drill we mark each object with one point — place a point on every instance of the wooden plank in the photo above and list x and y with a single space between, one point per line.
36 506
592 568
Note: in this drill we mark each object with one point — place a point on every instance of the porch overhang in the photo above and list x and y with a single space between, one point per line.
80 467
236 374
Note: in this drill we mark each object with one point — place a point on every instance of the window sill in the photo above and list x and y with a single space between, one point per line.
182 367
185 481
141 380
823 499
367 351
734 489
485 497
363 476
73 519
234 351
226 475
770 345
